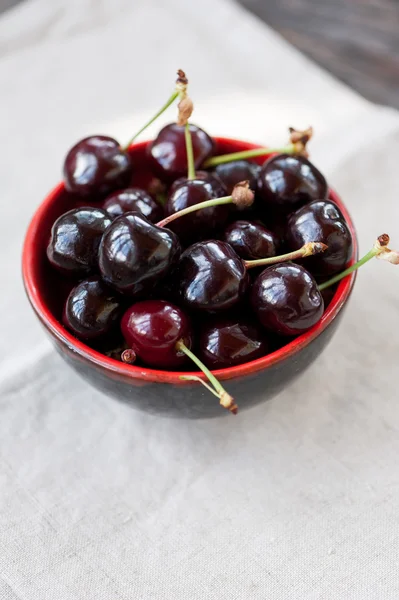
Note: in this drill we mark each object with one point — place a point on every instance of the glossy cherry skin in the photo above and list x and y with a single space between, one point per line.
321 221
96 166
251 240
91 310
203 223
75 238
134 254
133 200
286 299
167 153
236 171
286 182
152 329
226 342
211 277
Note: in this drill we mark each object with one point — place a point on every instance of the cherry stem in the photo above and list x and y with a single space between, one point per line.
190 209
307 250
128 356
371 254
170 101
190 152
225 158
218 390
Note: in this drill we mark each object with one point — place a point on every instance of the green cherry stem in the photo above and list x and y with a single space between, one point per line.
170 101
218 390
348 271
241 196
379 250
190 209
190 152
244 154
307 250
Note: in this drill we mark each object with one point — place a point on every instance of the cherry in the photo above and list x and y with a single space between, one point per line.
212 277
286 299
160 334
236 171
96 166
134 254
152 329
251 240
91 309
187 192
133 200
167 153
286 182
321 220
227 342
75 238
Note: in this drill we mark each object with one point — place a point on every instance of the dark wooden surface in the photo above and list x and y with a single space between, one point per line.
357 40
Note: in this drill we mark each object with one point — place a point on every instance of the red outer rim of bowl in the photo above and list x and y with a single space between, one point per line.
151 375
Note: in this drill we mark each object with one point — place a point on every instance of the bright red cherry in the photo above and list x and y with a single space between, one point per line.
167 153
96 166
152 329
286 299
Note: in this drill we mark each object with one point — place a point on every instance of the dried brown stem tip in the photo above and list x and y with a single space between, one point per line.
312 248
186 108
128 356
383 252
242 195
181 77
299 139
383 239
228 402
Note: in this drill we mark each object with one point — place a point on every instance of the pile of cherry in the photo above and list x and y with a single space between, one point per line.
216 285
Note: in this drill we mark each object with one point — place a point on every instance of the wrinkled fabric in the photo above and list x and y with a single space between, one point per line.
296 499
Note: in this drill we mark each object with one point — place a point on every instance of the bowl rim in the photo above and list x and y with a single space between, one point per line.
111 365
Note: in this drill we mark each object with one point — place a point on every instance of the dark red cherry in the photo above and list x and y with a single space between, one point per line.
236 171
96 166
203 223
228 342
167 153
75 238
286 182
286 299
211 277
133 200
321 221
134 254
251 240
91 310
152 329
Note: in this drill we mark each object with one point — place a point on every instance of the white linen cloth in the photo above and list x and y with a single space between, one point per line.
296 499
